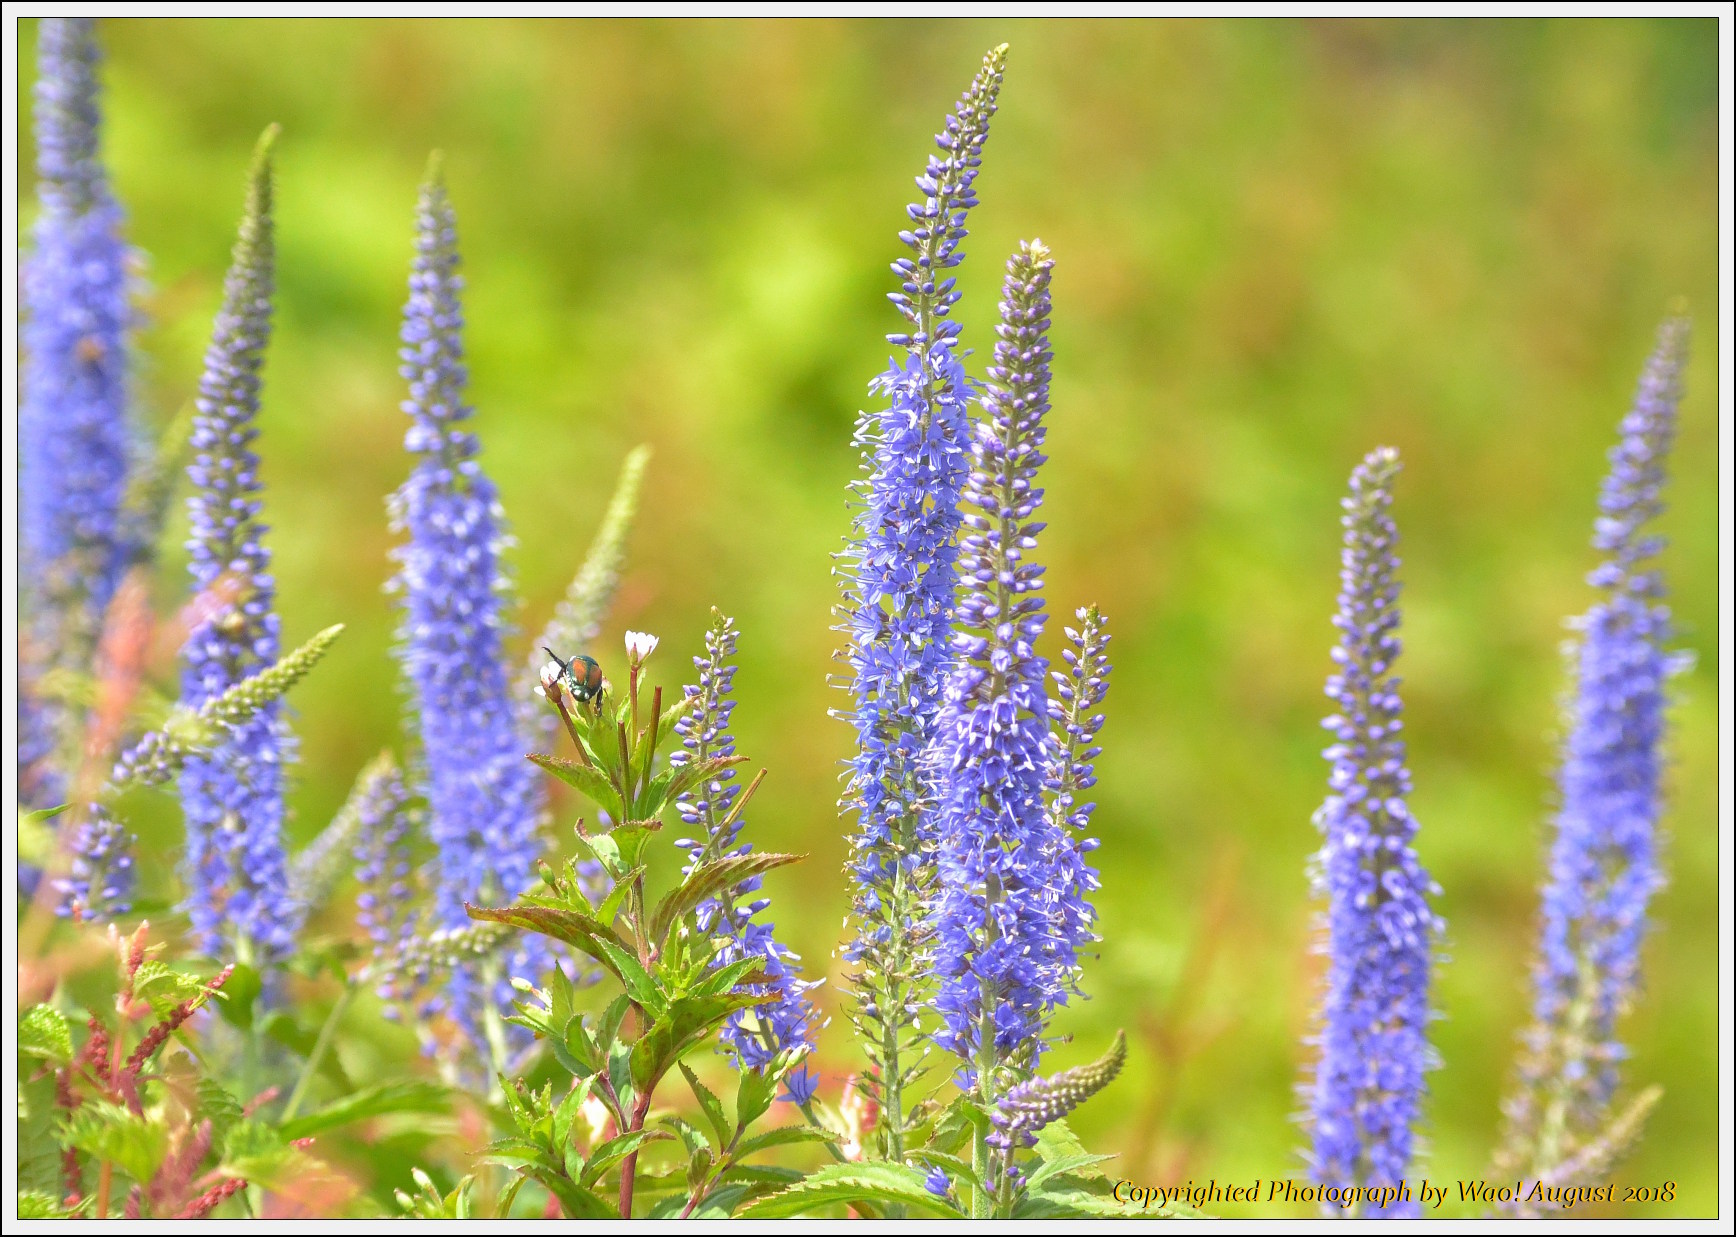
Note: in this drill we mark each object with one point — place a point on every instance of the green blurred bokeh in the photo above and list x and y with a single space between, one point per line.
1278 244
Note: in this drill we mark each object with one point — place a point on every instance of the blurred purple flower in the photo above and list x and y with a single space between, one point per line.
1603 865
74 441
100 884
239 896
1373 1050
483 796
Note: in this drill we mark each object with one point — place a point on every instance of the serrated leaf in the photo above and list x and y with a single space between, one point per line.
872 1181
1057 1141
261 1154
218 1106
644 990
753 1095
577 1203
588 780
958 1124
956 1166
710 879
611 904
164 987
1066 1164
112 1132
608 1154
406 1095
572 927
687 1021
621 1072
678 779
783 1136
43 1032
604 850
575 1050
710 1105
690 1137
761 1176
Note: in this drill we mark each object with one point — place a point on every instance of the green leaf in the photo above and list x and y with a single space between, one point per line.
873 1181
677 779
710 1105
1056 1140
721 1203
35 1205
43 1032
612 904
690 1137
958 1125
639 984
42 815
686 1022
576 1050
956 1166
1060 1201
621 1072
762 1177
1066 1164
218 1106
135 1144
710 879
407 1095
783 1136
588 780
604 850
571 927
263 1156
611 1153
724 980
164 987
753 1095
671 715
609 1030
577 1203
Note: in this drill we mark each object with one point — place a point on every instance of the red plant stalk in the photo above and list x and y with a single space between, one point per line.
211 1199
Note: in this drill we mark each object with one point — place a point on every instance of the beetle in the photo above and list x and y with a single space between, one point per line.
582 675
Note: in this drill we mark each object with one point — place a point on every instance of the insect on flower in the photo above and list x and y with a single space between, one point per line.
582 675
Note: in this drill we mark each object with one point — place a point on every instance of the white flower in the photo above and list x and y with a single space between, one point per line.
551 674
640 645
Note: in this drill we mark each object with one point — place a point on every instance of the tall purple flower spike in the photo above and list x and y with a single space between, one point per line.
1012 909
239 895
900 586
1380 929
75 444
754 1037
1603 863
483 796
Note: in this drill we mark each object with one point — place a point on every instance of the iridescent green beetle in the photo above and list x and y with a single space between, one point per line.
582 675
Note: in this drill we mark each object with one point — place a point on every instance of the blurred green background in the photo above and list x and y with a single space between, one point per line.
1278 244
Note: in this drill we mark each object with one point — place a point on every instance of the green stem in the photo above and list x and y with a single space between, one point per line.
327 1033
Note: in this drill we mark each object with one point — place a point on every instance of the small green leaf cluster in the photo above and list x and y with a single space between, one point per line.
673 992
